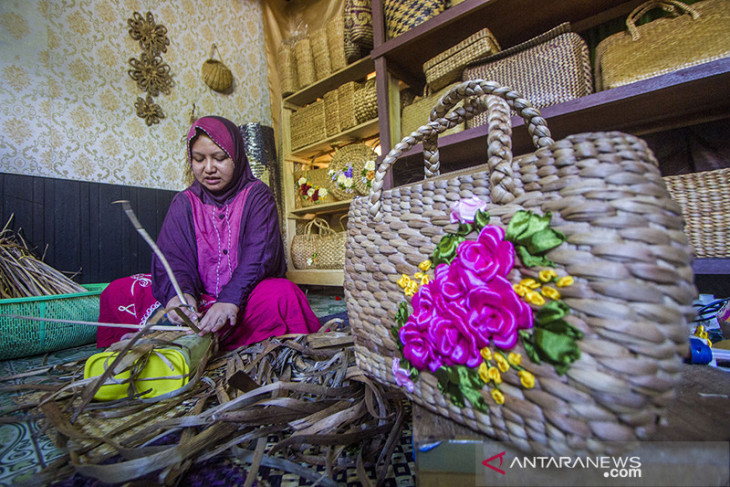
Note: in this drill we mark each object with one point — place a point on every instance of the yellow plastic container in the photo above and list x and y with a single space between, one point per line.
167 369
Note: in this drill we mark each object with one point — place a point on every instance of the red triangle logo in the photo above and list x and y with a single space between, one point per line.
487 463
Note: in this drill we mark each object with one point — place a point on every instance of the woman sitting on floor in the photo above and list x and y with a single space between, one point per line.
221 238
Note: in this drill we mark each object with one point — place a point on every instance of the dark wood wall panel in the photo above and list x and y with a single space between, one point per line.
78 228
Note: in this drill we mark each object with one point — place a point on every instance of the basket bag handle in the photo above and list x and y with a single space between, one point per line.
323 228
672 6
474 92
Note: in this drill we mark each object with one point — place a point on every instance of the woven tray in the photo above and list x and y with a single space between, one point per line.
351 170
698 35
336 42
312 187
22 338
307 125
703 197
577 363
447 67
549 69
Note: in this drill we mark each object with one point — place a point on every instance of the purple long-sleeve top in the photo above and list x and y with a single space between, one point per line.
260 250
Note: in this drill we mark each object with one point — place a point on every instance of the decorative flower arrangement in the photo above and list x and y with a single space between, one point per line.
310 192
368 173
467 317
343 178
312 260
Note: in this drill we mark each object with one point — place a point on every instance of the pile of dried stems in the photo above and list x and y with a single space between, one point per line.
305 390
24 275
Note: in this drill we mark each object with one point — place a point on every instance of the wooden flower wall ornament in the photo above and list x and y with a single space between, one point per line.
149 71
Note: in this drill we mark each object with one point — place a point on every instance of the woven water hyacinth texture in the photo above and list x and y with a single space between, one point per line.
549 69
557 313
403 15
694 35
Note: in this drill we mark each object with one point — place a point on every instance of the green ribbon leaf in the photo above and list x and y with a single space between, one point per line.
401 316
446 249
533 237
481 220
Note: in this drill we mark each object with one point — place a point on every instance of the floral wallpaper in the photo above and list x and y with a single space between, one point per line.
67 102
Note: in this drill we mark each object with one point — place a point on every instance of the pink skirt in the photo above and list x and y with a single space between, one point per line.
275 307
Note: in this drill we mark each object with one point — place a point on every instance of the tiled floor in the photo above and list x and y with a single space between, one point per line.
24 450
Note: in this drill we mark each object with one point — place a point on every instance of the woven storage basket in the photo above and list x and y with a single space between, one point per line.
703 197
287 64
698 35
307 125
318 180
322 250
22 338
549 69
366 101
336 42
331 113
321 53
610 345
349 170
359 24
418 112
305 62
346 104
403 15
447 67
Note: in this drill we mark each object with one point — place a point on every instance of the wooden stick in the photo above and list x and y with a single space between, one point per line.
96 323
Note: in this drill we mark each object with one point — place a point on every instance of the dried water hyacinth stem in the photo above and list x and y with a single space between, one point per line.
23 275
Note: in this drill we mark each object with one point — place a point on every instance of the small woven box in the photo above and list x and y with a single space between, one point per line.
346 104
418 112
308 125
403 15
366 101
448 66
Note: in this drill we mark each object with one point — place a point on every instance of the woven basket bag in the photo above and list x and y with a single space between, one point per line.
609 341
548 69
698 34
351 169
322 250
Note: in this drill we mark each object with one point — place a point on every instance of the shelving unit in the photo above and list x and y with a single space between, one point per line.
682 98
303 155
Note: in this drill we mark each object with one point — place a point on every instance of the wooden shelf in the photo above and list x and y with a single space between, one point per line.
323 209
355 71
686 97
317 277
508 20
362 131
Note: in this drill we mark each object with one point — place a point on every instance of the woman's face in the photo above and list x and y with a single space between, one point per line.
211 165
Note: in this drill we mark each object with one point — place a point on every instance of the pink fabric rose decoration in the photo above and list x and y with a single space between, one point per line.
464 211
468 305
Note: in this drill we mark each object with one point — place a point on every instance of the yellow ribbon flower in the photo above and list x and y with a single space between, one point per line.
521 290
565 281
483 372
535 298
404 281
419 275
550 292
514 358
486 353
547 275
497 396
531 283
411 289
526 379
425 280
501 362
493 374
425 266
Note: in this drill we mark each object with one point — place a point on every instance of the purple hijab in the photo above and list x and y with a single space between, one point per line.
260 247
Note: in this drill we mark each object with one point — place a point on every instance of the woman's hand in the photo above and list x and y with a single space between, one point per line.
218 316
191 312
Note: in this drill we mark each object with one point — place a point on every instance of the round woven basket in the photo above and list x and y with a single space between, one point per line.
216 74
348 170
